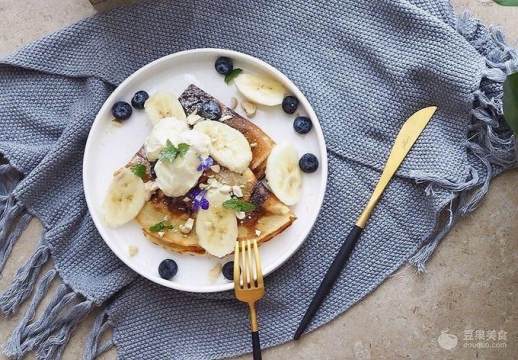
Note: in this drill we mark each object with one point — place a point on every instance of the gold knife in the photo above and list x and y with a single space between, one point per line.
405 139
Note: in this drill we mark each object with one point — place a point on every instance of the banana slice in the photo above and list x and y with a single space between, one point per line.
162 105
126 197
216 227
228 146
283 173
260 90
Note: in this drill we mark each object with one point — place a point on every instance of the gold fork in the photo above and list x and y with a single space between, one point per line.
249 284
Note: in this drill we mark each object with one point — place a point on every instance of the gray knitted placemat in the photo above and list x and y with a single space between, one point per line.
365 66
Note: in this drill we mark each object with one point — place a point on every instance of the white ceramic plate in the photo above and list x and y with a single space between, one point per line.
110 147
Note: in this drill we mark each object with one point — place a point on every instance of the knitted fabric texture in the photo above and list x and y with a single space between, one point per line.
365 66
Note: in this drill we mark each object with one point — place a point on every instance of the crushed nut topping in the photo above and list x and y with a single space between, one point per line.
193 118
249 107
237 191
132 250
187 227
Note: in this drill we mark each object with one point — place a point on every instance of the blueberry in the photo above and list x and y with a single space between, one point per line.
121 110
224 65
308 163
289 104
302 124
167 269
139 99
210 110
228 270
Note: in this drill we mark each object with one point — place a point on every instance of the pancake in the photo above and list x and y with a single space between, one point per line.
269 219
270 216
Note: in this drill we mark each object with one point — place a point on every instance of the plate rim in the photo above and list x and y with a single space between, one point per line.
236 55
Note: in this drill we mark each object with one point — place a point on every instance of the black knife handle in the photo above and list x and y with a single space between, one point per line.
329 279
256 345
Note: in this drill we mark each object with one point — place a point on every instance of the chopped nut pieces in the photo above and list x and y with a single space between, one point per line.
249 107
193 118
237 191
187 227
132 250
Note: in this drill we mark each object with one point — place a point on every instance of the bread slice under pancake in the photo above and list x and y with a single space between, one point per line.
192 98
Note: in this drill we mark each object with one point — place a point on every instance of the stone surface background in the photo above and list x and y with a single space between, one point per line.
471 283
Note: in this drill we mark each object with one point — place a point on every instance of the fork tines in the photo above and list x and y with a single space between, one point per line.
247 265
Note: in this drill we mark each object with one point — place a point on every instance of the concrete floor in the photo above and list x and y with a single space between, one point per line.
471 282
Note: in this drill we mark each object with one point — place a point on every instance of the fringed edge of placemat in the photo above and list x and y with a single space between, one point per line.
488 137
13 217
47 334
94 345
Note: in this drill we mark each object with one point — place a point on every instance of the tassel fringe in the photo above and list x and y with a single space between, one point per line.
13 217
13 221
48 335
489 138
92 347
13 347
24 281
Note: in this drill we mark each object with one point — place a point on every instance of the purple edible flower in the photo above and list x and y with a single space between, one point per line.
204 204
200 195
205 164
194 192
199 201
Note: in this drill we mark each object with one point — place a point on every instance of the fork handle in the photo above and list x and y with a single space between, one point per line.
256 345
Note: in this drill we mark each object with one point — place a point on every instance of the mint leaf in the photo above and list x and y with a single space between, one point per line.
232 75
239 205
139 170
507 2
182 149
161 226
510 101
169 152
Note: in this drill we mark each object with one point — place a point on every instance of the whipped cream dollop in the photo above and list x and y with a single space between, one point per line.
197 141
175 178
166 129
